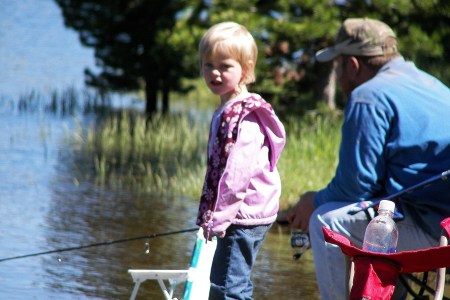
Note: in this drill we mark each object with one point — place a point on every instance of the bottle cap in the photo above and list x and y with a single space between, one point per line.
387 205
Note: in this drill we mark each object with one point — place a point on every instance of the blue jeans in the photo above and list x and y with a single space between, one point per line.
233 262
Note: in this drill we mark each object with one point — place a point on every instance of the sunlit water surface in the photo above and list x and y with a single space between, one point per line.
50 199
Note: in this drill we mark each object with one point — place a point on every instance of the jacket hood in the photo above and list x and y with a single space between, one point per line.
275 132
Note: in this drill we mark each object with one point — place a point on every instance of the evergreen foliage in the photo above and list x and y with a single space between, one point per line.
132 42
151 46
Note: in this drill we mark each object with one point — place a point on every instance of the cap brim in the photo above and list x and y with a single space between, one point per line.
327 54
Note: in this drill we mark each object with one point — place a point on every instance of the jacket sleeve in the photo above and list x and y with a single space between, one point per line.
362 166
236 177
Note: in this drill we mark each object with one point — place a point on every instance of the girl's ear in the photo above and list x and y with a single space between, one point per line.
246 70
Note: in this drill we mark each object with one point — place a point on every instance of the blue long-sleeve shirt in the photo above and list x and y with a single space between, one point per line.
396 133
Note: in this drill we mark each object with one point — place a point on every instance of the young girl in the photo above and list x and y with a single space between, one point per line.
242 187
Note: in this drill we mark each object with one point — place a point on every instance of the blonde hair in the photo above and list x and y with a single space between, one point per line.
234 40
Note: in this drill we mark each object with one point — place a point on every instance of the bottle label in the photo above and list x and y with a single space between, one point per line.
378 249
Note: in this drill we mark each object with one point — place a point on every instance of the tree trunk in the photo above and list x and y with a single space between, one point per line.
329 92
165 98
325 87
151 93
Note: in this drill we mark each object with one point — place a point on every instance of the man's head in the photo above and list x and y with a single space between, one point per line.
362 47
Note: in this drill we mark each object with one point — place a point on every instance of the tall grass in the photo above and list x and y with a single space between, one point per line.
163 155
65 102
310 156
167 154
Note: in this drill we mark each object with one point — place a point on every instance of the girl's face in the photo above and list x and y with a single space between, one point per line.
223 76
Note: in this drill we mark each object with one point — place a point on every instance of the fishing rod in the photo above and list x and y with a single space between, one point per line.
365 205
147 236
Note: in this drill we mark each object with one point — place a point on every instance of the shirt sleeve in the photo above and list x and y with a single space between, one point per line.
241 165
362 166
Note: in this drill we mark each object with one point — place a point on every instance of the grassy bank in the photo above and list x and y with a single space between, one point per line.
310 156
163 156
167 154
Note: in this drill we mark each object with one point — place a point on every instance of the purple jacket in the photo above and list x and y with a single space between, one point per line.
250 187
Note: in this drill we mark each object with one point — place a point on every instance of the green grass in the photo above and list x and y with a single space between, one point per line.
310 156
167 154
164 155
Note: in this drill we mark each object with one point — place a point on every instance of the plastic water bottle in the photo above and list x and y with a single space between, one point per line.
381 233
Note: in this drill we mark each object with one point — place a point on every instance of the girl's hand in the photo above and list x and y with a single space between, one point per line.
208 234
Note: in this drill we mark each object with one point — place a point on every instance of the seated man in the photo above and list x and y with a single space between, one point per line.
396 133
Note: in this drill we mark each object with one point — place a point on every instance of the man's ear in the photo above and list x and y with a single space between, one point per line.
354 67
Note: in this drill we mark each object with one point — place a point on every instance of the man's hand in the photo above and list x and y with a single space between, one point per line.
300 214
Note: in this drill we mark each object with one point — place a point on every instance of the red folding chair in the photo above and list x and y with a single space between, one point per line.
373 275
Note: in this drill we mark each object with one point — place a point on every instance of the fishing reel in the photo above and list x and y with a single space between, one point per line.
299 243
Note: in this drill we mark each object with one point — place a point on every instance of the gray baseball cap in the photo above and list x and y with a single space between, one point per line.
360 37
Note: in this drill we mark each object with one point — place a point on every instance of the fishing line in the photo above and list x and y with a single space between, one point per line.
148 236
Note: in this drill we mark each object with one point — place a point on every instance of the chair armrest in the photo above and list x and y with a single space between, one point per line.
142 275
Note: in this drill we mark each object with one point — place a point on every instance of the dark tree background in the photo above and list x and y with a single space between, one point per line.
131 42
151 45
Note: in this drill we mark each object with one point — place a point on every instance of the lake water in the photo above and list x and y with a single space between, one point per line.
50 199
36 51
